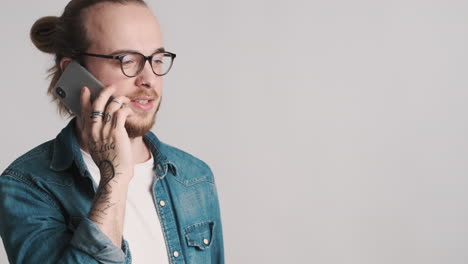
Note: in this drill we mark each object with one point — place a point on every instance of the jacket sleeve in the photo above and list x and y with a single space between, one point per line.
34 230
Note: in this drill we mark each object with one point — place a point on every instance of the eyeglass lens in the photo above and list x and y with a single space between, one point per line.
132 63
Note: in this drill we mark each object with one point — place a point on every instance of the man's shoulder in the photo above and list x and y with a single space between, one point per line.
31 163
189 167
182 157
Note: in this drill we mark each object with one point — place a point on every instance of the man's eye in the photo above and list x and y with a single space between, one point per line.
128 62
158 61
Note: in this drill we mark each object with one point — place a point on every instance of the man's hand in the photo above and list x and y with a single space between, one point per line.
103 133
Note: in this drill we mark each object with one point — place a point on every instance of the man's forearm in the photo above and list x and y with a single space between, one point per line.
108 208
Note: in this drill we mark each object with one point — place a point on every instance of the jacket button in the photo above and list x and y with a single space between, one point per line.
176 254
206 241
162 203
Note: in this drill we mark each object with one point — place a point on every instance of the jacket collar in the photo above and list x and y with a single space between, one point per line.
66 150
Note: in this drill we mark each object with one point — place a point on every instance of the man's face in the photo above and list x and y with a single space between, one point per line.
132 27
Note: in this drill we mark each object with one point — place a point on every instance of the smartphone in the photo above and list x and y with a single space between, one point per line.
68 87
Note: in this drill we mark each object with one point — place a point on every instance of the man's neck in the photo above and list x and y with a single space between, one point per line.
141 152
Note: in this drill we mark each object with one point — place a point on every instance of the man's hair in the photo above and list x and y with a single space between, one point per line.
65 36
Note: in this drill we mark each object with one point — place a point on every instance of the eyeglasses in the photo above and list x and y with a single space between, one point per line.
132 63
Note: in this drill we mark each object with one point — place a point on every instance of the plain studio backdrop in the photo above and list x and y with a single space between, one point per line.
337 130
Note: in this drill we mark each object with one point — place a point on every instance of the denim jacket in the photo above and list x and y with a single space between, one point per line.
46 194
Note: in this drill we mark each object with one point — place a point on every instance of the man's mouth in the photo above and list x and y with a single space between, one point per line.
144 104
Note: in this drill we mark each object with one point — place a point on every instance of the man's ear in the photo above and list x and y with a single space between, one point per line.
64 63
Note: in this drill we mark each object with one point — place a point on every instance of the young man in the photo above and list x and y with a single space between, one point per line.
106 190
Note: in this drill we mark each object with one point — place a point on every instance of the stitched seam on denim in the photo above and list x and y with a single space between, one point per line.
190 227
19 177
53 182
196 181
171 214
162 220
25 179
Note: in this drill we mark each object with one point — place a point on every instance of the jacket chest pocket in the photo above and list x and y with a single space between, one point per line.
199 236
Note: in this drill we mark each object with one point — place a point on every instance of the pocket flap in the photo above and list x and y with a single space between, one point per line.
200 235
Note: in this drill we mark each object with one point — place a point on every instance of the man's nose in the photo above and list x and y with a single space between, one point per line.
146 77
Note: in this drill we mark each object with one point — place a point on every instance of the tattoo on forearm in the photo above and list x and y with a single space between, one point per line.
107 168
103 195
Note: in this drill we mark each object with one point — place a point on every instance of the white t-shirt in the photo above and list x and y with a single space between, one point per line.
142 228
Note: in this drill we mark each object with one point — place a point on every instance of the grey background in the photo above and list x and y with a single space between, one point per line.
337 129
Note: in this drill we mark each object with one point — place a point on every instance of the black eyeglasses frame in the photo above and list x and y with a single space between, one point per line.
146 58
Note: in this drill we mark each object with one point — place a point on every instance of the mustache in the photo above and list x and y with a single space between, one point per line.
150 93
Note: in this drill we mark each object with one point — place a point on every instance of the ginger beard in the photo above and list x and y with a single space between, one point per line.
141 121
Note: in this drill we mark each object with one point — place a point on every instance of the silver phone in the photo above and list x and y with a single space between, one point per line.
68 87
